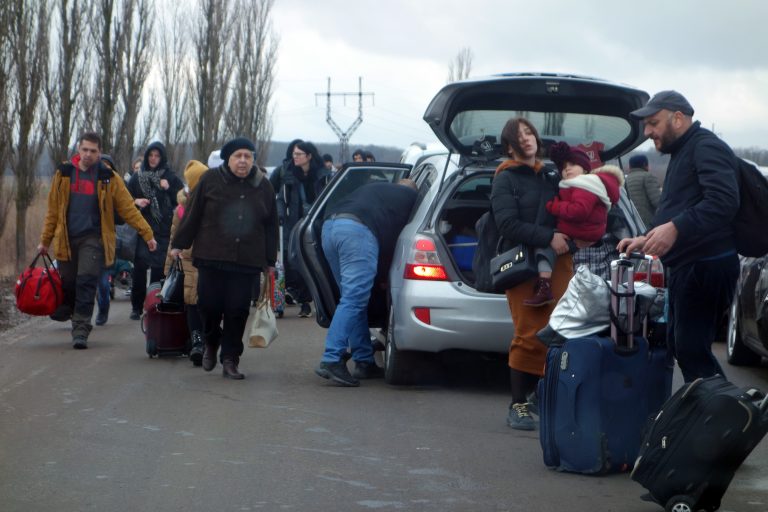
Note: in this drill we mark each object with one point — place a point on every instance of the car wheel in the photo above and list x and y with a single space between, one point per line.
399 365
738 353
680 503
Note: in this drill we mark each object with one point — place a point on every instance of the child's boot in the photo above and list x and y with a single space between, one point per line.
542 293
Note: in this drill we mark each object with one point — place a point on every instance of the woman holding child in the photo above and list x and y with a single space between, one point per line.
521 188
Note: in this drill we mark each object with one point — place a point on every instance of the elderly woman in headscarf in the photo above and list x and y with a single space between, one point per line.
154 190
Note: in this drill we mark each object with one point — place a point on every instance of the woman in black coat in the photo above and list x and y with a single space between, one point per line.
154 189
521 188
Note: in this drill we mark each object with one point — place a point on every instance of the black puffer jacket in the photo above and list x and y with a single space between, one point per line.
518 195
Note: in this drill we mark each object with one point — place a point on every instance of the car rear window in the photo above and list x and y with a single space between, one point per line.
589 130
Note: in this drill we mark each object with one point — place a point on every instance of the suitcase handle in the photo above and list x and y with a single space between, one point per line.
622 271
635 255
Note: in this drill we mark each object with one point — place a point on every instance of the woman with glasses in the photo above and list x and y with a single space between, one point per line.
298 182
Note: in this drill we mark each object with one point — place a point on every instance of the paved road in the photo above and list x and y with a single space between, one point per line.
108 430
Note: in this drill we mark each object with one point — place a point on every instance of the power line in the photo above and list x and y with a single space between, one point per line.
344 135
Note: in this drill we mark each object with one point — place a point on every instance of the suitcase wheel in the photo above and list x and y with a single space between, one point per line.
680 503
151 348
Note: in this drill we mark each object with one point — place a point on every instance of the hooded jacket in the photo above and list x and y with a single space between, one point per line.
583 203
192 174
166 198
112 197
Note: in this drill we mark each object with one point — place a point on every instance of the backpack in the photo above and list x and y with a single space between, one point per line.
487 238
752 216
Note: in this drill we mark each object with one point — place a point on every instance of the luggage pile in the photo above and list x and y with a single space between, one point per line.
605 405
598 391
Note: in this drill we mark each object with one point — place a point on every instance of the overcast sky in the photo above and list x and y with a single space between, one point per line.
715 52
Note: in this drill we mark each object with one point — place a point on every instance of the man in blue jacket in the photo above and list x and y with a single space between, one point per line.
691 231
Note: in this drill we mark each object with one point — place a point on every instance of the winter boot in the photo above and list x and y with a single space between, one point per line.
198 348
210 355
229 368
542 294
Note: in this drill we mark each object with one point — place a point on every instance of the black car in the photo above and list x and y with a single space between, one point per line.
748 317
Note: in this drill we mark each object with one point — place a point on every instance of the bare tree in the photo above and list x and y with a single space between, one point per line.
461 65
7 114
122 37
553 123
28 32
147 125
64 92
174 97
210 73
255 52
135 57
107 36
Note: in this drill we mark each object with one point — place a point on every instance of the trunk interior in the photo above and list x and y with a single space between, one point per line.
457 219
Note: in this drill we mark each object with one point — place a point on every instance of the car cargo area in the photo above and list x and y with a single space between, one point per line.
456 225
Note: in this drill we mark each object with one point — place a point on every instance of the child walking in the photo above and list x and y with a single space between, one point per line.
581 208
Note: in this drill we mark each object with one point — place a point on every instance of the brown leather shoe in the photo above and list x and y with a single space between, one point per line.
209 356
229 369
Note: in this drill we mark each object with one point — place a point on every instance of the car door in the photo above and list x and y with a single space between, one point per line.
306 244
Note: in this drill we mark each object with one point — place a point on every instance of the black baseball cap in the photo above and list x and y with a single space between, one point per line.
669 100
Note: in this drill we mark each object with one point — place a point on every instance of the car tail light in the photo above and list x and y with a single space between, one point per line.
423 263
423 315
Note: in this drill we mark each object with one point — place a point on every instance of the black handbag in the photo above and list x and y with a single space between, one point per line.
516 265
513 267
172 291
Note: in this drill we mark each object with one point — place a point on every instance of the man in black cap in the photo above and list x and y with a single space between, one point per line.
691 231
643 188
231 224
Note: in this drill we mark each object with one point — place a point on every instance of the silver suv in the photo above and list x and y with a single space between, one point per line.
427 303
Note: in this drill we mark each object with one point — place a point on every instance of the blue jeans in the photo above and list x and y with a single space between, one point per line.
103 288
352 253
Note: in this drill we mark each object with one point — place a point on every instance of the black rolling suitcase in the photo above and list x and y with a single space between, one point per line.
697 442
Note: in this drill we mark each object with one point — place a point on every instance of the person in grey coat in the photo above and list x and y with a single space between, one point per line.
643 188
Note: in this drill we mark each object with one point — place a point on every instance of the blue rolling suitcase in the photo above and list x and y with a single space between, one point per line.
598 392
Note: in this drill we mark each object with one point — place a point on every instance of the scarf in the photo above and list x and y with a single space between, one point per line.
149 182
511 162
